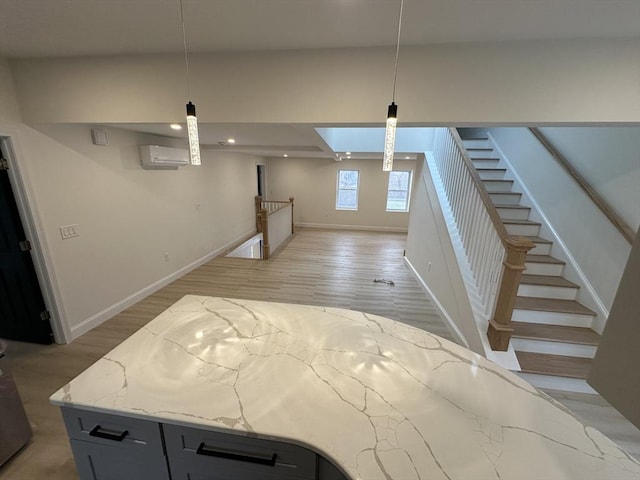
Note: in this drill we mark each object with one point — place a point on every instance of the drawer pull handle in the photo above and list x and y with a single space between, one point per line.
117 437
204 450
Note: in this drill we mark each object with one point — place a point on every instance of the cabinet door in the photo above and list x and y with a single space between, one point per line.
328 471
103 462
196 454
111 447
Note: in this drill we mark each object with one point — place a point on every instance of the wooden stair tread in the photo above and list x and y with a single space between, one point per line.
536 239
558 365
503 193
495 179
474 138
489 159
555 333
516 221
504 170
547 280
552 305
479 149
534 258
508 205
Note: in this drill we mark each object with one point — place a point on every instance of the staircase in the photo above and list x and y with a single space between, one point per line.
552 337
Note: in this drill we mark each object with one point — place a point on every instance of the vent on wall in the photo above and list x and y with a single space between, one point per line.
156 157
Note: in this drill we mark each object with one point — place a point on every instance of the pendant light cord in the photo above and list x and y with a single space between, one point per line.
186 58
395 69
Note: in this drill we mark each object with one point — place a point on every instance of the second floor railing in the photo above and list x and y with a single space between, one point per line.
274 219
495 258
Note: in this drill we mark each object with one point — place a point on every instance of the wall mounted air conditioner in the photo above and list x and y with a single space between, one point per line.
154 156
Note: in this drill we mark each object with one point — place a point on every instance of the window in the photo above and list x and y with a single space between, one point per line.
398 191
347 190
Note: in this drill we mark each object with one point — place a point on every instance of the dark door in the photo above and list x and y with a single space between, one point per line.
261 191
23 315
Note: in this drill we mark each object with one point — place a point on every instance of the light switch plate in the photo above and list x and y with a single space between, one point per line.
70 231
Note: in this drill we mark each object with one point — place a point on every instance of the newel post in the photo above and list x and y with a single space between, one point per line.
291 199
264 219
500 329
258 201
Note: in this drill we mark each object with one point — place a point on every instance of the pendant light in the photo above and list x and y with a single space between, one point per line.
192 120
392 112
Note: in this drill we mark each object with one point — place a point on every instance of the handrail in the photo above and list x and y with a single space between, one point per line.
486 200
496 258
604 207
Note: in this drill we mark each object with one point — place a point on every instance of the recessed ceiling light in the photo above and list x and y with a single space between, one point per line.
175 126
231 140
348 156
407 157
285 155
348 153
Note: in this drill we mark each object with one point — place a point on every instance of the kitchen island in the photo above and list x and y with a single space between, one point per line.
219 388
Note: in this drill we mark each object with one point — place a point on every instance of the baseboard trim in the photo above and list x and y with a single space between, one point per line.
370 228
451 325
104 315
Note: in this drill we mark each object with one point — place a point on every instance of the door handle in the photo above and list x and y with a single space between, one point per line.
204 450
116 437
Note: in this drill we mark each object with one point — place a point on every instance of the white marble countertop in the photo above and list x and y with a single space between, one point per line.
381 399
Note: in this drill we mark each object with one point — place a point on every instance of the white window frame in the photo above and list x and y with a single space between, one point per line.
357 189
406 209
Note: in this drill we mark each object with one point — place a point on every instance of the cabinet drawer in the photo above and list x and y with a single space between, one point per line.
113 430
105 462
205 455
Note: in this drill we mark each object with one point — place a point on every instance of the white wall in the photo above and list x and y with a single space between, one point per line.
430 253
128 217
609 159
313 184
9 109
570 81
598 249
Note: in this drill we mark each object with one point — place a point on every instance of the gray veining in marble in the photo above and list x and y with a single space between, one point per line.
381 399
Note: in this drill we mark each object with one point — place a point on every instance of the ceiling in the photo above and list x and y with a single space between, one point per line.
45 28
32 28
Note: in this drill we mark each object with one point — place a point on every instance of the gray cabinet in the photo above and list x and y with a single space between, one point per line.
113 447
196 454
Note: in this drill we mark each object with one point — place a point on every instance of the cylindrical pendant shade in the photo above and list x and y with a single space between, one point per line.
192 130
390 138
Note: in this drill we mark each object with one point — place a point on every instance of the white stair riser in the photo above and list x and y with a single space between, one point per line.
482 153
491 174
552 318
553 348
513 213
541 249
498 186
488 163
526 230
547 291
552 382
544 268
476 143
505 199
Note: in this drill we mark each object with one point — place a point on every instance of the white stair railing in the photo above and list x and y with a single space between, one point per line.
274 218
495 258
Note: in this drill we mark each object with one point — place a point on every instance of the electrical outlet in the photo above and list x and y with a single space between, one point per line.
69 231
429 267
166 256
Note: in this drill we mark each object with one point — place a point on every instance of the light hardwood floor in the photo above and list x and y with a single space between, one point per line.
318 267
